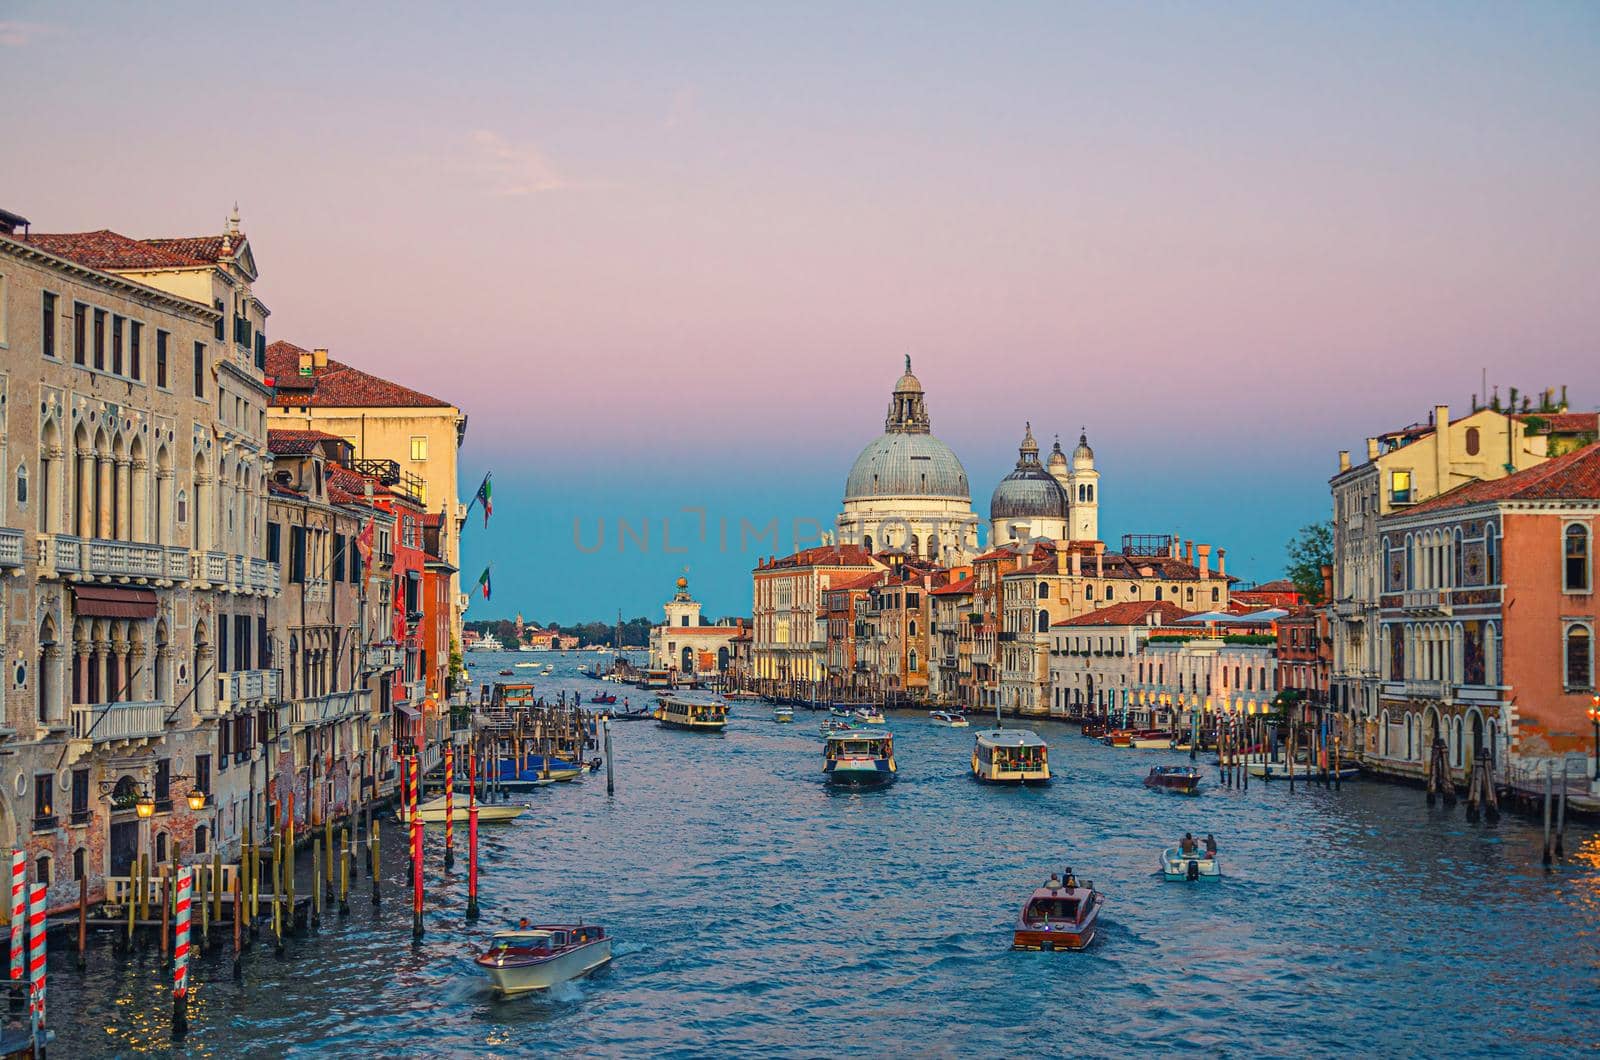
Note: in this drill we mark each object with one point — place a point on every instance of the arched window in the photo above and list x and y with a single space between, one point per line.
1458 555
1158 592
1088 592
1044 622
1576 553
913 545
1044 590
911 661
1491 656
22 486
1472 441
911 628
866 542
1491 556
1580 658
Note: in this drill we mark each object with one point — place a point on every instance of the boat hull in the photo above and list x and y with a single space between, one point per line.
1010 776
1048 941
520 977
498 813
861 774
1178 866
1152 743
692 726
1280 771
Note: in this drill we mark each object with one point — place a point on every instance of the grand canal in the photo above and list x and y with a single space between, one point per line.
758 912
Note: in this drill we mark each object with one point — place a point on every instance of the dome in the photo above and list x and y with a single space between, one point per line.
1029 492
1058 459
907 465
1082 453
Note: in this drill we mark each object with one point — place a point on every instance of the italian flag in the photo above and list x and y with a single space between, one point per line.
483 582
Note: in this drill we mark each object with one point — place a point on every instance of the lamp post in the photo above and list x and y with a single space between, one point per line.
1594 719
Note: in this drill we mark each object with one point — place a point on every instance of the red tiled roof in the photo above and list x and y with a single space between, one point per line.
1281 585
338 385
1575 476
865 580
1130 613
824 556
965 585
105 249
296 443
202 248
1565 422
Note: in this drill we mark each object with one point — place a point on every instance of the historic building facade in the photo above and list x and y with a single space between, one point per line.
788 650
687 646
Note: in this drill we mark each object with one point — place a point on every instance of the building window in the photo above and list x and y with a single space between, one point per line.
100 339
44 811
163 784
47 337
1576 553
1400 487
41 870
1491 557
161 359
80 796
274 541
419 448
1580 658
116 344
200 369
1472 441
135 342
161 847
222 310
80 333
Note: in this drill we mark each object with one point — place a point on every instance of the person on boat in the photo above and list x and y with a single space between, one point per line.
1211 846
522 925
1188 844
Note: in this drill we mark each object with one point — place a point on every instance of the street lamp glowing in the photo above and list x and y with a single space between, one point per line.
146 806
197 801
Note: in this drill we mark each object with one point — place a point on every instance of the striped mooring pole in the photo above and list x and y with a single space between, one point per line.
180 955
472 840
36 964
449 805
19 922
416 849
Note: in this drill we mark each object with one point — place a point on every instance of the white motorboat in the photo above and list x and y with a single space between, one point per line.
1176 865
433 811
869 716
948 720
1278 770
537 958
783 714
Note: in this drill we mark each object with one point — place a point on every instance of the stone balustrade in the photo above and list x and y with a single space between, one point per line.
102 723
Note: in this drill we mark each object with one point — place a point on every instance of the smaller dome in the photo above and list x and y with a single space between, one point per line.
1029 492
1083 452
1058 459
908 383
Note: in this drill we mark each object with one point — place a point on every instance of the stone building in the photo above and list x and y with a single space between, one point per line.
132 522
788 651
844 602
1094 658
685 645
907 491
950 651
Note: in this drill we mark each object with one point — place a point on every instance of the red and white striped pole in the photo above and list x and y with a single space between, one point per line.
36 963
180 955
449 805
19 921
416 849
472 836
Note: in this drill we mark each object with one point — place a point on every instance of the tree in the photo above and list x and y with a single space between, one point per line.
1309 552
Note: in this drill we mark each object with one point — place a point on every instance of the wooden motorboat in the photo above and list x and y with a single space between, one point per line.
859 757
1011 756
1094 729
1183 779
1200 865
869 716
1061 915
841 710
697 717
505 673
1118 738
1152 740
1276 769
607 698
537 958
833 725
433 811
783 714
948 720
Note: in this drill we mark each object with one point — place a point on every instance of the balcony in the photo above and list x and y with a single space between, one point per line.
324 710
65 556
383 657
112 723
231 572
263 577
241 688
1417 688
10 547
317 591
1426 601
389 474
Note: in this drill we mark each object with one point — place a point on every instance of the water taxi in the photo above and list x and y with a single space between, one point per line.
433 811
842 710
526 666
1152 740
537 958
869 716
1011 756
948 720
833 725
699 717
505 673
783 714
607 698
1200 865
1118 738
1184 779
1061 915
859 757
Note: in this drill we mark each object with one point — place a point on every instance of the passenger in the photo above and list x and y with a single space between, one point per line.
1211 846
1188 845
522 925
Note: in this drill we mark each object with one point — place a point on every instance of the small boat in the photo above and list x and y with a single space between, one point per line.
697 717
1278 770
841 711
1094 729
741 695
859 757
1185 779
538 958
539 767
1153 740
548 670
1176 865
433 811
463 786
1010 756
869 716
948 720
527 666
635 714
603 697
505 673
1118 738
1061 915
783 714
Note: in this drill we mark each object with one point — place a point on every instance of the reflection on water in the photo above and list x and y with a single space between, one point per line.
755 909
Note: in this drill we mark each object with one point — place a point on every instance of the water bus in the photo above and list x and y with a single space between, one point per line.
537 958
1061 915
698 717
1011 756
859 758
783 714
1151 740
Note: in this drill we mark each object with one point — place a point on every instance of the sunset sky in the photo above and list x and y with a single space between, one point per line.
671 256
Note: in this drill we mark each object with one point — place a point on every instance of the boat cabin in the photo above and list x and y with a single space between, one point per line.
855 744
1010 756
687 714
1056 909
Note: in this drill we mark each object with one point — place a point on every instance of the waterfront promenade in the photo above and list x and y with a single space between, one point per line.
756 911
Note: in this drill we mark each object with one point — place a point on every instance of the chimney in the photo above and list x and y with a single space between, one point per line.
319 358
1077 564
1204 551
1099 559
1372 448
305 363
1441 447
1344 460
1327 581
1222 563
1188 552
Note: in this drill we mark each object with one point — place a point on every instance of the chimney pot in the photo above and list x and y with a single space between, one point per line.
1222 562
1188 552
1344 460
1372 448
1204 552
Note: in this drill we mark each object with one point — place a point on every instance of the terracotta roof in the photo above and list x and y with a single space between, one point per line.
1575 476
338 385
824 556
105 249
297 443
1281 585
965 585
1565 422
1129 613
201 248
864 580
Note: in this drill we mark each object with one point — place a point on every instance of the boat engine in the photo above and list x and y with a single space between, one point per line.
1194 871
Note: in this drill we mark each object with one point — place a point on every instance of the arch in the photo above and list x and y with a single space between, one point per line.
138 492
1579 657
1491 555
48 699
1575 575
164 486
1044 621
722 658
48 488
686 660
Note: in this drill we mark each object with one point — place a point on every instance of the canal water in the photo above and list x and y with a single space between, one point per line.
757 912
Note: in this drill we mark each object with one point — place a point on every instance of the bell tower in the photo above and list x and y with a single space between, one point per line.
1083 488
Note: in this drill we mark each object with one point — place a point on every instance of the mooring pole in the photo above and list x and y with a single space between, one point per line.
611 777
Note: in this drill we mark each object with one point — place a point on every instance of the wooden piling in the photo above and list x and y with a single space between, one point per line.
327 844
199 871
1561 813
83 922
1549 770
129 899
373 870
238 927
277 902
472 861
144 886
416 851
449 807
344 872
611 780
316 882
1337 740
166 916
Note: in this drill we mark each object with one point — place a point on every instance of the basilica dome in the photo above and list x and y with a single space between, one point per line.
1030 491
906 465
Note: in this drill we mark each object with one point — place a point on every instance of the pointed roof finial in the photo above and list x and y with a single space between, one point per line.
908 364
233 220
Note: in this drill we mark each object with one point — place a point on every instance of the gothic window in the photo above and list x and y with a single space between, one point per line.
1491 556
22 487
1576 555
1580 658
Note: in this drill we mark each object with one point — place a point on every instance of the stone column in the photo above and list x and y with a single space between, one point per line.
54 496
124 491
100 671
164 530
118 692
139 502
104 527
86 473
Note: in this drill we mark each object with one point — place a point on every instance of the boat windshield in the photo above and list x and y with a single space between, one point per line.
1042 910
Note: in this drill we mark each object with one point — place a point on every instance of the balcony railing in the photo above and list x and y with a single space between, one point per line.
10 547
389 474
1426 601
246 686
118 722
383 657
1423 689
263 577
98 558
324 710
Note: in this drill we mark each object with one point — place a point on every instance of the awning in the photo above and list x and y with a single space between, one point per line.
102 601
408 710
